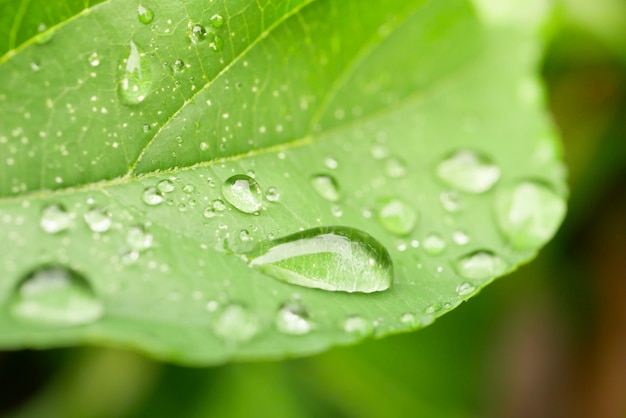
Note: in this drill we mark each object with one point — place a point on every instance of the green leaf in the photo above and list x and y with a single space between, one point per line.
214 183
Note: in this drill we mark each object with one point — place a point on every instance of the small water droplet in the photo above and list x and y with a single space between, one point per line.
272 194
145 14
433 244
178 66
45 34
217 42
451 201
236 324
331 163
209 212
55 218
331 258
468 171
135 76
94 59
357 325
138 239
55 295
481 265
465 289
326 186
189 188
293 319
395 167
409 318
198 34
243 192
165 186
152 196
98 219
460 238
217 20
219 205
397 216
528 214
336 211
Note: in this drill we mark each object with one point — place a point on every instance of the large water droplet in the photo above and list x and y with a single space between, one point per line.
468 171
481 265
236 324
243 192
332 258
165 186
357 325
326 186
57 296
152 196
135 76
145 14
98 219
528 214
293 318
397 216
55 218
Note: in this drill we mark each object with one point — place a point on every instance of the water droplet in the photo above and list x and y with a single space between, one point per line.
45 34
331 163
468 171
336 211
465 289
434 244
451 201
165 186
135 76
331 258
145 14
98 219
460 238
528 214
94 59
293 319
357 325
209 212
55 295
55 218
236 324
152 196
197 34
217 42
189 188
243 192
219 205
272 194
138 239
216 21
481 265
178 66
397 216
409 318
395 167
326 186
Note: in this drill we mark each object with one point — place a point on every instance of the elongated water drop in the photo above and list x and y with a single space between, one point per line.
481 265
55 295
236 324
334 258
293 318
55 218
326 186
528 214
397 216
135 76
243 192
468 171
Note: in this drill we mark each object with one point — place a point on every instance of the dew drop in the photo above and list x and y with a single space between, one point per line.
528 214
243 192
357 325
55 295
236 324
468 171
209 213
189 188
165 186
135 76
397 216
409 318
293 319
433 244
138 239
217 42
55 218
145 14
451 201
326 186
94 59
178 66
219 205
152 196
98 219
217 20
481 265
395 167
272 194
198 34
460 238
332 258
465 289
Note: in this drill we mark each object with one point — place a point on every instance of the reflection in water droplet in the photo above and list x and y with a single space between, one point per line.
152 196
98 219
236 324
481 265
434 244
357 325
145 14
55 295
465 289
243 192
198 33
293 319
135 76
397 216
216 21
528 214
326 186
468 171
165 186
55 218
330 258
178 66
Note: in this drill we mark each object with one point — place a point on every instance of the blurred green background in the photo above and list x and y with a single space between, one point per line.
546 341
